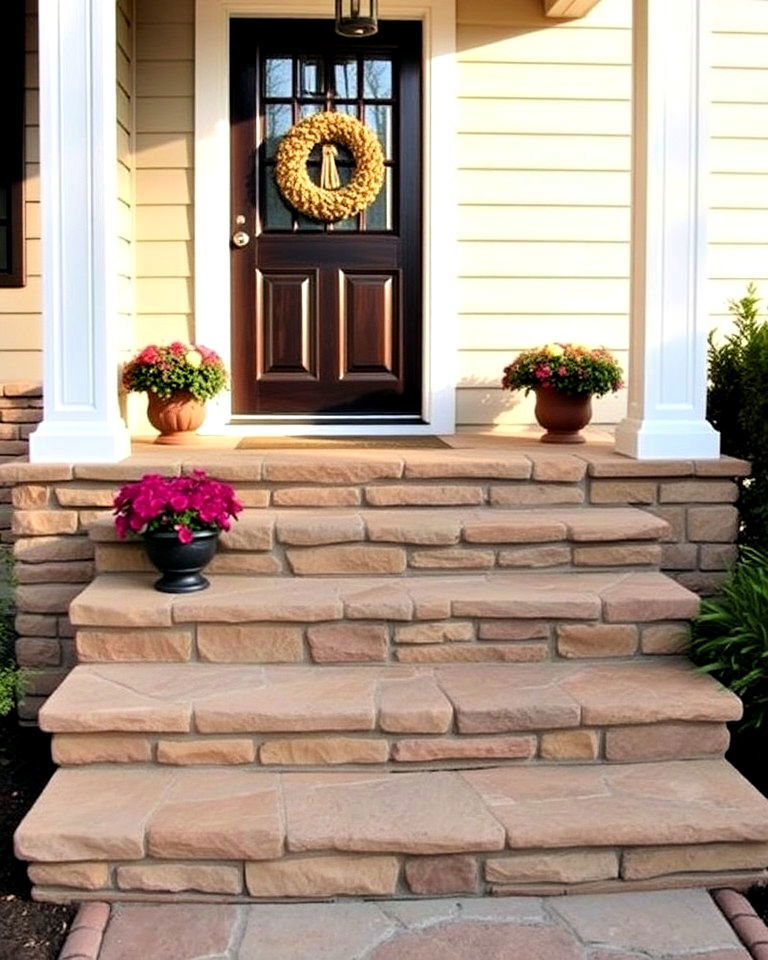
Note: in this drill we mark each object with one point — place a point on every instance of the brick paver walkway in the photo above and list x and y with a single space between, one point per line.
670 925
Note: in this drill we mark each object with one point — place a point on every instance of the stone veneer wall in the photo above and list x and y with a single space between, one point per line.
21 404
53 506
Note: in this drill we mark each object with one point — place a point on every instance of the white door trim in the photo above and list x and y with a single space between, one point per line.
212 202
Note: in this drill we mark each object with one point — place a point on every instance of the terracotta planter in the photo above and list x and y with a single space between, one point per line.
181 563
177 418
562 415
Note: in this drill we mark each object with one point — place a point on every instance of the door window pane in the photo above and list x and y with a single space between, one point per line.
379 215
278 77
277 214
310 77
377 79
307 109
378 117
345 79
278 121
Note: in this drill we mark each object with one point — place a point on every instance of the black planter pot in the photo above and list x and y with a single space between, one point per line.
181 563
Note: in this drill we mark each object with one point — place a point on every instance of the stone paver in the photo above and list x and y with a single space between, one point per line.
677 925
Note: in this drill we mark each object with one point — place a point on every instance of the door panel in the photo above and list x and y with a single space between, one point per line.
370 327
286 308
327 318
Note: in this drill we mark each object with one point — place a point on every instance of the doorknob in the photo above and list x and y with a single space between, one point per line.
241 238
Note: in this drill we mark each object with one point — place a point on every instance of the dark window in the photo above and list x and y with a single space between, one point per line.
12 145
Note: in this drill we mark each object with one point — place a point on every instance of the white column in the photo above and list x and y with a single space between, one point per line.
669 321
78 167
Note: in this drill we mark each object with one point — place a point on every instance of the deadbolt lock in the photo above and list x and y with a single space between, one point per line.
241 238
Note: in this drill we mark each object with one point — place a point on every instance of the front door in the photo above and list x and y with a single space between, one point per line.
326 317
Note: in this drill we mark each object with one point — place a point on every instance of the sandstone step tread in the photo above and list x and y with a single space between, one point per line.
466 699
96 814
129 600
261 529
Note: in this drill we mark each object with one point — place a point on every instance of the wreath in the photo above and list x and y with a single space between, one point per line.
329 201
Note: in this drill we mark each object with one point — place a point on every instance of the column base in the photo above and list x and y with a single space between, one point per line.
72 441
667 439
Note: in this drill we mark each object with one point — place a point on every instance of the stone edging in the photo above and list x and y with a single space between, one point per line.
87 932
742 917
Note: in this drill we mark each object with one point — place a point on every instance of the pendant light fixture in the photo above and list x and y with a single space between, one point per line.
357 18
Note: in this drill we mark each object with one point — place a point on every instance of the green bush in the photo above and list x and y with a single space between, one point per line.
737 406
11 677
730 636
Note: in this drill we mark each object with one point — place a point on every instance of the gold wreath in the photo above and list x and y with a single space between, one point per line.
319 202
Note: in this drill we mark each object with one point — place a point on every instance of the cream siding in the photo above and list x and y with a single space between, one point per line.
20 323
544 153
164 162
126 126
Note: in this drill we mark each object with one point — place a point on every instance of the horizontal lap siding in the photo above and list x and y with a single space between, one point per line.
544 184
544 187
20 320
126 185
164 170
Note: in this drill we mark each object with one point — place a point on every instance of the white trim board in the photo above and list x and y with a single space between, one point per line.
212 203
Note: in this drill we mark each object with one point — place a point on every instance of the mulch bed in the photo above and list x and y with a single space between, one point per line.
30 931
747 754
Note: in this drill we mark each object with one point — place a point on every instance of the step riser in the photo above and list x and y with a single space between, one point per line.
376 749
453 640
539 872
389 559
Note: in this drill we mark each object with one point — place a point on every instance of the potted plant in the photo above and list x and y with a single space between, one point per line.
564 377
178 379
179 519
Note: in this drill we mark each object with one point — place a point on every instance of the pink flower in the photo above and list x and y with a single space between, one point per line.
185 534
562 372
543 371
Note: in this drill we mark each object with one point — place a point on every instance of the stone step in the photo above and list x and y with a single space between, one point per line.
336 542
520 616
114 833
455 715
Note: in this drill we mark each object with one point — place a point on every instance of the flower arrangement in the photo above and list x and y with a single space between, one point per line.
185 504
569 368
176 368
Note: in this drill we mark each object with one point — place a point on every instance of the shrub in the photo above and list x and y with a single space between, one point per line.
730 636
737 406
11 677
177 368
567 367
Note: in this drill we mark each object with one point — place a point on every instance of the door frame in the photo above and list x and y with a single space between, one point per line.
440 203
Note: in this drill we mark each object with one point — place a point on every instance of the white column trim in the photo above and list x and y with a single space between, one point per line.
668 315
78 161
212 202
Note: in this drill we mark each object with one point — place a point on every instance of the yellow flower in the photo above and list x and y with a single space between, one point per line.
554 349
193 358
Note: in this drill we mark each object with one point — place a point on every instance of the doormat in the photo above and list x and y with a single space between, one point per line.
340 443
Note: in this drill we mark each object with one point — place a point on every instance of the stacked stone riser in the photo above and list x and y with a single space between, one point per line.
461 639
540 872
407 542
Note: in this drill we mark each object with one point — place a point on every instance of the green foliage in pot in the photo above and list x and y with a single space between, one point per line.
730 636
569 368
176 368
737 406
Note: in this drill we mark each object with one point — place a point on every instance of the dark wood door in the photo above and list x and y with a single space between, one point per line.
327 318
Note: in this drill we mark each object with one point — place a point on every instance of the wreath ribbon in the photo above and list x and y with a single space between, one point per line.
329 174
